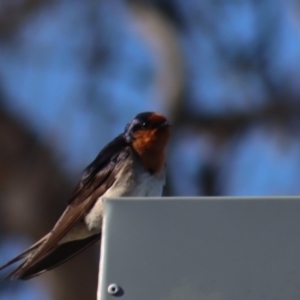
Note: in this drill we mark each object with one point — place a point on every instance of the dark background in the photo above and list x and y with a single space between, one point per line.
73 73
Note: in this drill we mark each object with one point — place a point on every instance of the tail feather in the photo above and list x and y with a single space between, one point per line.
24 254
52 259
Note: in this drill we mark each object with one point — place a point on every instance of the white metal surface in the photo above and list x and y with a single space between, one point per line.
201 249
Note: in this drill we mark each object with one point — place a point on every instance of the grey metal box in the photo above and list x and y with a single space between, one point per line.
201 249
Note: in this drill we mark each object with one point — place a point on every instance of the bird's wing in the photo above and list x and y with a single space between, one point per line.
53 258
25 253
97 178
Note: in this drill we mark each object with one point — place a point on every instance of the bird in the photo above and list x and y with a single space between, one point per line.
131 165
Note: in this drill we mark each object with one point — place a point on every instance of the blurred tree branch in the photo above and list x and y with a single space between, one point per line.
13 14
34 193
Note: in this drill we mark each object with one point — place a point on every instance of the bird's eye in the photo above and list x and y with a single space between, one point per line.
144 125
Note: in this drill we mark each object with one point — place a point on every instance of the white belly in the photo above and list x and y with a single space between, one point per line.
127 185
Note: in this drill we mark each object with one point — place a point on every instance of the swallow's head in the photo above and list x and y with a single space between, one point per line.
148 134
148 126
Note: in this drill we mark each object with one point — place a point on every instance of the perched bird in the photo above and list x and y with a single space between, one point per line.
132 165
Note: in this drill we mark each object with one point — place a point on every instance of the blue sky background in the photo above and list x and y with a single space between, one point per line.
75 72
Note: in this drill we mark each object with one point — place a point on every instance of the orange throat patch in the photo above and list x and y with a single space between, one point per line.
150 147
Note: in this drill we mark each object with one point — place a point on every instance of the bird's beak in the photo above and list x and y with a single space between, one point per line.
165 125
